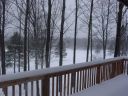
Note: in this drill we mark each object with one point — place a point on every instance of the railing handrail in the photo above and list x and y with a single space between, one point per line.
23 77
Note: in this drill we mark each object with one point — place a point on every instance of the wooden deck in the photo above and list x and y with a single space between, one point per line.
117 86
62 81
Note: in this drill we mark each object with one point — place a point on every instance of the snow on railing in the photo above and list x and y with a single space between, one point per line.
64 80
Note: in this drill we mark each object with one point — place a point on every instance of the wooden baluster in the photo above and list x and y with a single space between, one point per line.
88 79
60 84
74 83
26 89
127 67
80 80
64 84
71 82
98 75
119 68
73 79
20 90
122 67
77 81
95 74
32 91
126 63
113 70
103 72
106 72
68 84
116 70
13 90
57 85
92 76
83 79
52 86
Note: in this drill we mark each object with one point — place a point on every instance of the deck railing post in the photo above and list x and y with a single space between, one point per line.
126 66
113 70
122 66
45 86
98 75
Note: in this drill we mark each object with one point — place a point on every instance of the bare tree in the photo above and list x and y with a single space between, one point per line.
89 31
25 34
48 34
61 34
75 34
105 24
2 38
118 32
0 34
106 31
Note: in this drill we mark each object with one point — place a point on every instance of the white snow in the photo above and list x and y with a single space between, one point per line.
117 86
67 60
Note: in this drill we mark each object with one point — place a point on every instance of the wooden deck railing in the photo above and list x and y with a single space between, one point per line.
62 81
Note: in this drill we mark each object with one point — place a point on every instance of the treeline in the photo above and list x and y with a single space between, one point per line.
82 43
40 24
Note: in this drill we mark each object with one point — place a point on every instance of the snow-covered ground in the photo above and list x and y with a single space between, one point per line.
68 60
117 86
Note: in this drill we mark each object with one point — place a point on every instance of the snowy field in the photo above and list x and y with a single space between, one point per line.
80 57
117 86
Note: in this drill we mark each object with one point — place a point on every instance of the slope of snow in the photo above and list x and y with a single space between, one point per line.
117 86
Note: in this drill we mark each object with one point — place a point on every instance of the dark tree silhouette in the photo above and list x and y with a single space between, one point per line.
118 33
2 38
48 34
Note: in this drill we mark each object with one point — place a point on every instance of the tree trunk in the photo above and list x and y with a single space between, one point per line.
61 34
106 30
75 34
47 56
2 39
25 34
0 35
89 31
118 32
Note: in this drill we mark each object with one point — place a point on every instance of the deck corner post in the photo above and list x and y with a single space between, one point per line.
45 86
